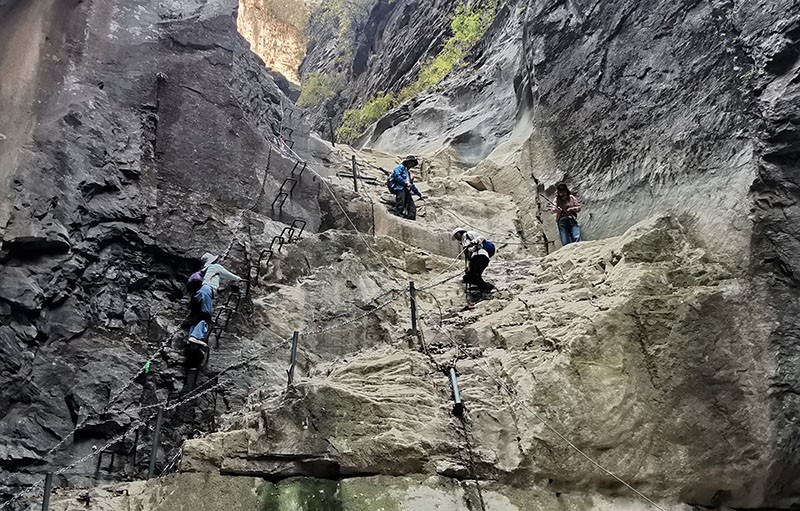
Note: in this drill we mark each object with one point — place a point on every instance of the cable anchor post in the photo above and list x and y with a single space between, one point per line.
355 174
48 488
413 292
293 358
156 439
458 405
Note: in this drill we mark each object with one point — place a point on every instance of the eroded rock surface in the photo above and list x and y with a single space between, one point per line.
665 349
143 141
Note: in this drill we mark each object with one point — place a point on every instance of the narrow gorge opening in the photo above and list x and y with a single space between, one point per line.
276 31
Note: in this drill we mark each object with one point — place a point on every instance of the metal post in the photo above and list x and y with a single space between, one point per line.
413 293
48 487
458 406
355 174
156 439
293 360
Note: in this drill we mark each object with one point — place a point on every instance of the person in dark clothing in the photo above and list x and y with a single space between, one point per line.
476 257
402 186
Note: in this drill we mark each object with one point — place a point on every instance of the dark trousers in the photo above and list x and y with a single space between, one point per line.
195 355
474 275
404 204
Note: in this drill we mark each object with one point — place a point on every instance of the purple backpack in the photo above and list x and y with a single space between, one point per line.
195 281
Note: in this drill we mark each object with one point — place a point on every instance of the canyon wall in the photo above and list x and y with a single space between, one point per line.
276 31
663 347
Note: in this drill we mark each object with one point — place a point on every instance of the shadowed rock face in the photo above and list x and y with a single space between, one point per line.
136 142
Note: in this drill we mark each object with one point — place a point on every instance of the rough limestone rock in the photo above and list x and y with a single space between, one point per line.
141 138
644 108
664 348
620 348
616 383
379 493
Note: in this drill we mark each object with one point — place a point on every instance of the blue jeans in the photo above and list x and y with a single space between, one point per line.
199 331
569 231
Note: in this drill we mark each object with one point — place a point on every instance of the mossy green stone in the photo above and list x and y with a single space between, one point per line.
306 494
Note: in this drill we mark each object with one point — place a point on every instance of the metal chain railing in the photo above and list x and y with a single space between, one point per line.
513 396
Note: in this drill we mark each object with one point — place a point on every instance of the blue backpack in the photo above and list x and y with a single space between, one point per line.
489 247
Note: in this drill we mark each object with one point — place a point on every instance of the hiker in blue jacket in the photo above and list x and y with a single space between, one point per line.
402 186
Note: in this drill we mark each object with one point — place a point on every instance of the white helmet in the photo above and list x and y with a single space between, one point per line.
458 230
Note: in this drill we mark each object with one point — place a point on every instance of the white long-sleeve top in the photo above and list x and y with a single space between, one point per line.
215 273
472 243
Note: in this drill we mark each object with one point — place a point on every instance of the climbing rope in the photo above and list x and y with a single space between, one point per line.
81 424
172 462
95 452
479 229
564 438
193 395
430 284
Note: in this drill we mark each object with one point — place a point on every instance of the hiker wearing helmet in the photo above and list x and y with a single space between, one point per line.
566 208
476 258
214 272
401 184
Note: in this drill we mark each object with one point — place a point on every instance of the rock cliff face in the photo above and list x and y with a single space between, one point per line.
276 32
663 350
643 107
382 53
138 140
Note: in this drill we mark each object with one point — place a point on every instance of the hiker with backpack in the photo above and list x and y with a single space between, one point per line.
202 286
477 252
566 208
401 184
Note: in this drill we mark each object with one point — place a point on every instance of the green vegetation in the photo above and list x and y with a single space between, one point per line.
356 120
346 15
318 88
468 26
